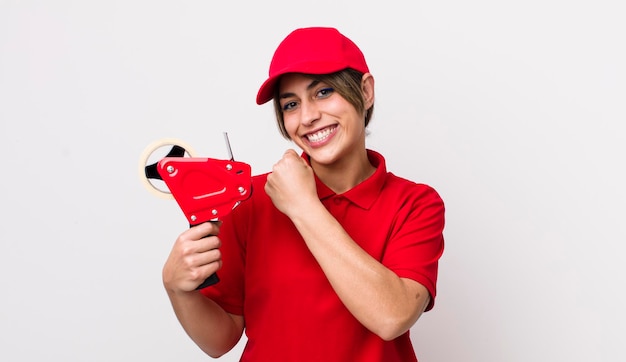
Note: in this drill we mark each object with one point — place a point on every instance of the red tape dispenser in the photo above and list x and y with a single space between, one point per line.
206 189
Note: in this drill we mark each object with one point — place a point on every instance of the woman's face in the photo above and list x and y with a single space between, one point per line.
319 120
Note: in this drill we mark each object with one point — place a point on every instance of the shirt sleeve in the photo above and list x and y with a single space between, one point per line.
416 243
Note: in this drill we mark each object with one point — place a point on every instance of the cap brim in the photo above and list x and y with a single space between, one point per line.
266 92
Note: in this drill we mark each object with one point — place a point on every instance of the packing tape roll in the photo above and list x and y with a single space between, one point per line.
152 154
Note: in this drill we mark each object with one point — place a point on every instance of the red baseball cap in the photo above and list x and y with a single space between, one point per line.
315 50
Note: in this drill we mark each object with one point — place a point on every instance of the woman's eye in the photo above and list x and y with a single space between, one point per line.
289 105
325 92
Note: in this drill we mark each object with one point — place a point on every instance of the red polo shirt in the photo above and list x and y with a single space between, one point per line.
291 311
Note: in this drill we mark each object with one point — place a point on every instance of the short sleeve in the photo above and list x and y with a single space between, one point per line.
416 243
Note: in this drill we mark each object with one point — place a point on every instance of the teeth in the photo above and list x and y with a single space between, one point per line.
319 136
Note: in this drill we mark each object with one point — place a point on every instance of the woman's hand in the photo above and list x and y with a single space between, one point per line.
194 257
291 184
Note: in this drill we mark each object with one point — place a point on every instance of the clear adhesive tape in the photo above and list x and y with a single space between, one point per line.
153 153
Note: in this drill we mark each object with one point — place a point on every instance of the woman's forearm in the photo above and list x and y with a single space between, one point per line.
383 302
213 329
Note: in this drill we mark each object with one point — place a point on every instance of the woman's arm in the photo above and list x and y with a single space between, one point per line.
383 302
193 258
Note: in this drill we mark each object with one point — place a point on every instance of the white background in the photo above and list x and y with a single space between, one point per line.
513 111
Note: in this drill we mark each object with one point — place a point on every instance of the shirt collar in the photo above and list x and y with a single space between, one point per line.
365 193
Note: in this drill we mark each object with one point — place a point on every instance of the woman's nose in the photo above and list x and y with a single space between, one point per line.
310 112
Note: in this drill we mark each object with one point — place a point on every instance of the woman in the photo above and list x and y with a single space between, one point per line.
333 258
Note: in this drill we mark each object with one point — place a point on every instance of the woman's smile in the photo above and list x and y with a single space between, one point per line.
319 137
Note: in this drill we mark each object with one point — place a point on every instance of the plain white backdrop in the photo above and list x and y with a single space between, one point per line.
513 111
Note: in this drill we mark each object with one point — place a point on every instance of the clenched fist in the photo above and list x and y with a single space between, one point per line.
291 184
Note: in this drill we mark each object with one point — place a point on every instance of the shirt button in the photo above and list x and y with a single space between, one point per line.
338 200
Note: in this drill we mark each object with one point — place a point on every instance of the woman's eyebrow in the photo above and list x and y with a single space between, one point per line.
311 85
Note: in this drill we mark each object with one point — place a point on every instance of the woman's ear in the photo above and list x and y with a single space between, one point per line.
367 87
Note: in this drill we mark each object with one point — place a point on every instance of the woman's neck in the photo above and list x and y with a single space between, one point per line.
345 174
